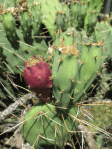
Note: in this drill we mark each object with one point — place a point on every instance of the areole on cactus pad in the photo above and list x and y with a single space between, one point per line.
37 76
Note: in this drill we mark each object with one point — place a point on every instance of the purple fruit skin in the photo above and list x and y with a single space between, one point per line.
38 79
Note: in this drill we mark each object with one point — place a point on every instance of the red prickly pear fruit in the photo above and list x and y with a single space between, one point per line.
37 76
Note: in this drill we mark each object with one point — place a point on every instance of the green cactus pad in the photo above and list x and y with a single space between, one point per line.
92 20
62 18
36 18
49 10
78 12
46 127
9 26
25 22
103 31
65 68
92 6
90 63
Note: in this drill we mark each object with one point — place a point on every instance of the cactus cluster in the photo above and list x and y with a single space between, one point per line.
65 70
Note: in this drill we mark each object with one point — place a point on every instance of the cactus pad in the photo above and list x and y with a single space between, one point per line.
47 127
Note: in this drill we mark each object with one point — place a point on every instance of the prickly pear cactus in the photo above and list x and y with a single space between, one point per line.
79 45
45 127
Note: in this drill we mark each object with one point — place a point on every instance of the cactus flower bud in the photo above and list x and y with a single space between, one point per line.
37 76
